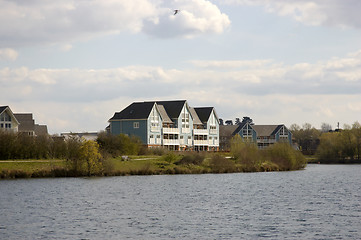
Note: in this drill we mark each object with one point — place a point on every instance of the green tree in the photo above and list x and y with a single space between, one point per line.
89 154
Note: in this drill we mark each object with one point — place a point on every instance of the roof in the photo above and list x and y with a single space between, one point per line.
41 129
26 121
266 130
204 113
227 130
196 120
173 108
2 108
163 114
136 110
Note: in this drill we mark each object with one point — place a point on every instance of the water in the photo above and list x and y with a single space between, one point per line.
321 202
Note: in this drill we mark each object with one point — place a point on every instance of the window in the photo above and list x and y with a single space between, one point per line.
136 125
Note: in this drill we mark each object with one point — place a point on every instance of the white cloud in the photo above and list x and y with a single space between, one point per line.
312 12
8 54
37 22
325 91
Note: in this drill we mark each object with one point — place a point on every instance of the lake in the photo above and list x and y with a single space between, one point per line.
320 202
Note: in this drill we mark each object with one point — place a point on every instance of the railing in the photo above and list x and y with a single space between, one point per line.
213 131
171 130
186 130
200 131
200 142
170 141
266 140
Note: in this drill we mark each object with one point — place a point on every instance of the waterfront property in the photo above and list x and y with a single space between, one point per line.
7 119
170 124
262 135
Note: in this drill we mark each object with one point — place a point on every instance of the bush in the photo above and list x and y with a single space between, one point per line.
221 164
117 145
170 157
285 156
191 158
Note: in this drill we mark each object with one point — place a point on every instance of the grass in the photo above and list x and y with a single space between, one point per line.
135 165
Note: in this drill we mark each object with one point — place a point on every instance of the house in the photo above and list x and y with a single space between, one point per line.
262 135
170 124
7 119
27 125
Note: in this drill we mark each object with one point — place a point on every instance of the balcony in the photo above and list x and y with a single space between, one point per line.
201 142
213 131
200 131
170 141
266 140
170 130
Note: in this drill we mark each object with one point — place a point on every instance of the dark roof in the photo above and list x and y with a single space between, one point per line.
204 113
136 110
2 108
173 108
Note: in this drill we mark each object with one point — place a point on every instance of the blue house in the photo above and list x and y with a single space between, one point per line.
262 135
171 124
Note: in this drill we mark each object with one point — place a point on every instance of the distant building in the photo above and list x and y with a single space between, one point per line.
27 125
262 135
7 119
170 124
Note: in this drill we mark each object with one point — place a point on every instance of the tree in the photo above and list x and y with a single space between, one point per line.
325 127
356 129
89 154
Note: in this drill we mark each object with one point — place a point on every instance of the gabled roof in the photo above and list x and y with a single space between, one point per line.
240 126
4 108
173 108
163 114
227 130
204 113
266 130
136 110
196 120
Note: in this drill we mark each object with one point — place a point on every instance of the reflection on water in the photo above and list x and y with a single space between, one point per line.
321 202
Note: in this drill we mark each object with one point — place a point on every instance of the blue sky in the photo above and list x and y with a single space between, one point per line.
73 63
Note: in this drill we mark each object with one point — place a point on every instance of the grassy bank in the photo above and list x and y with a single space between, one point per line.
170 163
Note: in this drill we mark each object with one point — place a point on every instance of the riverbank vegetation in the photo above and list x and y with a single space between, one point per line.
25 156
327 146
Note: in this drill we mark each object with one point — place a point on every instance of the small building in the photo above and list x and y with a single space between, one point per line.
27 125
170 124
7 119
262 135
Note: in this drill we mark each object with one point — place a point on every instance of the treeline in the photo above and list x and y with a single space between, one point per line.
341 146
83 158
327 145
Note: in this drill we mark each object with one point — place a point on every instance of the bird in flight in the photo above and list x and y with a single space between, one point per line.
176 11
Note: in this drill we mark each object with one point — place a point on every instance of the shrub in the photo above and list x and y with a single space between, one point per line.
191 158
221 164
285 156
170 157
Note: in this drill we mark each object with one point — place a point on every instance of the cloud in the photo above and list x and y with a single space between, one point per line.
24 23
264 89
312 12
8 54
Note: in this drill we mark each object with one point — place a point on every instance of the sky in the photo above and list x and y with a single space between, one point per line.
74 63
